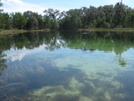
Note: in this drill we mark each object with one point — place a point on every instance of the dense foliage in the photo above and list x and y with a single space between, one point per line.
108 16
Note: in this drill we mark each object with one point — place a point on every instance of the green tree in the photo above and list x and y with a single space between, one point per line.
71 22
19 21
5 21
47 22
41 23
55 24
119 12
32 20
64 24
0 15
53 14
52 18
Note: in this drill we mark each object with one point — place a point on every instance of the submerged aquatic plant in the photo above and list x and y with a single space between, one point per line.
7 90
18 78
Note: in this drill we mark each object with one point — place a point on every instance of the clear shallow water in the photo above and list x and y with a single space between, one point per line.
67 66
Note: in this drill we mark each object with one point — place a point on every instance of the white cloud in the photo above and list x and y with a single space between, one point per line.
20 6
12 2
16 56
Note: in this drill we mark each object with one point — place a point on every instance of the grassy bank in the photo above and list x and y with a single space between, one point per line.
103 29
17 31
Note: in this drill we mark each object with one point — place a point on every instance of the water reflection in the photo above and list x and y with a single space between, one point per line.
103 41
67 66
2 62
127 90
122 61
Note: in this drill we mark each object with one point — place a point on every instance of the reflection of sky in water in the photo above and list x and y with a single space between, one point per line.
70 75
14 54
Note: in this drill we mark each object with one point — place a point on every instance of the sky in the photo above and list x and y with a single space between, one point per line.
62 5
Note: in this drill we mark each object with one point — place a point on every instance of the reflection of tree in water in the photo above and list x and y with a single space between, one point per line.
103 41
4 45
2 67
2 62
116 42
122 61
35 70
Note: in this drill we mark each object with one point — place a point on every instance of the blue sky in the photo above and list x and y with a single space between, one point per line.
40 5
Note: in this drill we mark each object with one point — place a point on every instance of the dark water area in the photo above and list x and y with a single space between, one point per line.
67 66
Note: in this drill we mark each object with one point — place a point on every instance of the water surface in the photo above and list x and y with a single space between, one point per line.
67 66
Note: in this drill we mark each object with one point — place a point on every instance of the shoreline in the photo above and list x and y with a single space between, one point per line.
17 31
110 29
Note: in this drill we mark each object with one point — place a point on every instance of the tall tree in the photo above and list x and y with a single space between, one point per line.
32 20
19 21
48 21
71 22
52 18
41 24
5 21
53 14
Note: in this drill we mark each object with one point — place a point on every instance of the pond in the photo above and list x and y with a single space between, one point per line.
67 66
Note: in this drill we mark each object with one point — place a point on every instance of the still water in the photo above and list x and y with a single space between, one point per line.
67 66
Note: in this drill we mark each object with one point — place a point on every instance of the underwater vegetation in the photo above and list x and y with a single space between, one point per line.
17 78
83 66
127 89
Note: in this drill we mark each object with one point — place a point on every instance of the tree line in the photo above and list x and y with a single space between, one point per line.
108 16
